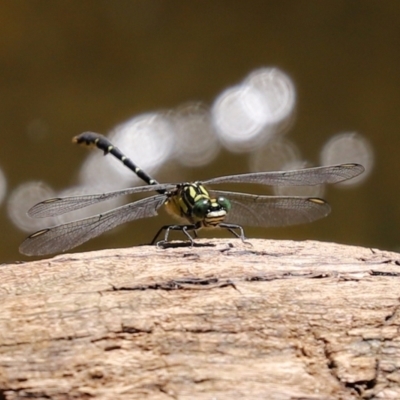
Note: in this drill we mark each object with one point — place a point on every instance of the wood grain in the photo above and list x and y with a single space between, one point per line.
222 320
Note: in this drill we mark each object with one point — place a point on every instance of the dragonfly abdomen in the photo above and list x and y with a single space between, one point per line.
95 140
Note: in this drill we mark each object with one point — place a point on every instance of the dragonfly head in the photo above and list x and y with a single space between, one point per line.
211 211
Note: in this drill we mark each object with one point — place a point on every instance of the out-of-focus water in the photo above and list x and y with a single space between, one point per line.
194 90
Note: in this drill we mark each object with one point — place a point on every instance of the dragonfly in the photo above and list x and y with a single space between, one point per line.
194 203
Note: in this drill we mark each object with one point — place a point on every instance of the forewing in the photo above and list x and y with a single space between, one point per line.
61 205
66 236
301 177
269 211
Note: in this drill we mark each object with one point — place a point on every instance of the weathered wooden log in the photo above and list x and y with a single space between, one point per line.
221 320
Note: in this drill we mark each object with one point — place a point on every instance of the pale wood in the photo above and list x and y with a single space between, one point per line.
275 320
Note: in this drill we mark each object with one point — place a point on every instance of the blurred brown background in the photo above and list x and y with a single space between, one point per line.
71 66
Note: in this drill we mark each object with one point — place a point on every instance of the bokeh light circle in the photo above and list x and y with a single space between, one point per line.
239 114
349 147
196 141
22 199
278 91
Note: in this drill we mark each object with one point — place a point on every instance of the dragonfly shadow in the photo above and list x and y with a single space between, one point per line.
182 244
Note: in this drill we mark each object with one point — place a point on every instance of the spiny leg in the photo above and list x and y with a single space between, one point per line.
184 228
231 228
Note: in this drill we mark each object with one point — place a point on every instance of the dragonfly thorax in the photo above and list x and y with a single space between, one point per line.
193 202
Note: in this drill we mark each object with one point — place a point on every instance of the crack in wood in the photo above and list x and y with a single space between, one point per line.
181 284
286 275
384 273
213 282
361 387
392 314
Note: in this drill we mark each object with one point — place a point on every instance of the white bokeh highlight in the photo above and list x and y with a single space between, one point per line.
196 141
248 115
278 91
349 147
22 198
239 114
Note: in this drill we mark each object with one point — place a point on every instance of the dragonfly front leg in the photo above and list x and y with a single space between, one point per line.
184 228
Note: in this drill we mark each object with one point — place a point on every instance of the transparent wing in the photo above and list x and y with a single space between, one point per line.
300 177
62 205
66 236
268 211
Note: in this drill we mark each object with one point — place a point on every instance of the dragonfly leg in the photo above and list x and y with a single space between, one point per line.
167 228
231 228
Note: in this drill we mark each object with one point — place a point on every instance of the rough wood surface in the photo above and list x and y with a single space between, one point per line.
222 320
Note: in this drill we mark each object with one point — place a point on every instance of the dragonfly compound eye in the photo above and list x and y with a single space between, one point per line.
201 208
224 203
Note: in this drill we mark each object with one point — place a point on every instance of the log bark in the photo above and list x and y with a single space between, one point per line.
221 320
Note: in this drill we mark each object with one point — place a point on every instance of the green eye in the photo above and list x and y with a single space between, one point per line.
201 208
224 203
